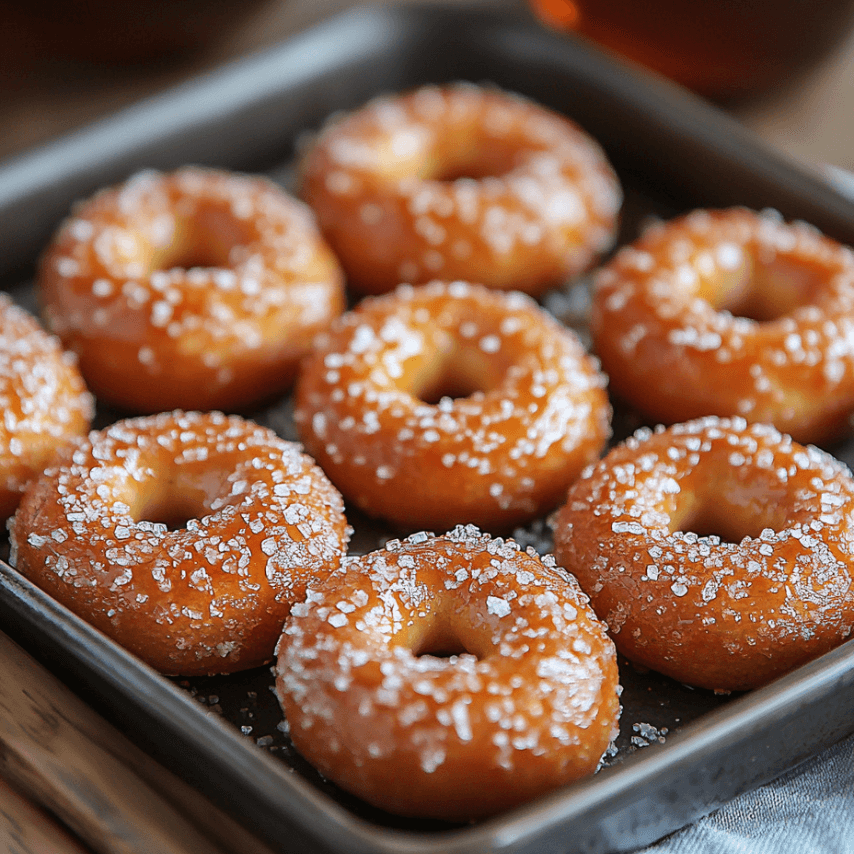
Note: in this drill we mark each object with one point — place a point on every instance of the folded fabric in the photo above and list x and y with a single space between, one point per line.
809 809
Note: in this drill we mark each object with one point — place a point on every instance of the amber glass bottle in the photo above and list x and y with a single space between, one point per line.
719 48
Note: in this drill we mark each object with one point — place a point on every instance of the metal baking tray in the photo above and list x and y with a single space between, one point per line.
681 752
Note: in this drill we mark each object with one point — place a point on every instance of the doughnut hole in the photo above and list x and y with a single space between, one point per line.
442 645
174 492
746 285
447 635
466 156
711 519
208 238
172 511
456 370
719 499
449 154
171 501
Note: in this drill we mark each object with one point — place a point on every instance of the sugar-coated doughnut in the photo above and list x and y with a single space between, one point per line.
719 553
44 402
195 289
450 403
731 313
186 537
460 182
449 677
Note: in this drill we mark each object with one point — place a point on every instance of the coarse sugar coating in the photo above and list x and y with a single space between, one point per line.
450 677
185 537
718 552
43 400
451 404
460 182
196 289
731 313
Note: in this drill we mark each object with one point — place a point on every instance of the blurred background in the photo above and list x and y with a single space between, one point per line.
785 67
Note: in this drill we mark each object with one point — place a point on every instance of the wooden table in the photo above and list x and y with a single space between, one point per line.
88 781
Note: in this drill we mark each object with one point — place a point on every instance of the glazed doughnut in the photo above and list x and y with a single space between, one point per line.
718 552
450 403
195 289
449 677
184 537
43 400
460 182
731 313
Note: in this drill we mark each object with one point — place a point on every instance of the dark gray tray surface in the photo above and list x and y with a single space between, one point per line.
681 752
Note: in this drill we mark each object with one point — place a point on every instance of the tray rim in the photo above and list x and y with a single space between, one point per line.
520 826
160 700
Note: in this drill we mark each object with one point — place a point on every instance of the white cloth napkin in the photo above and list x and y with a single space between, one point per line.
807 811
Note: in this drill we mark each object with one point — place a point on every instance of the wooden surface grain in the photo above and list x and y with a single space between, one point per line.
69 780
28 829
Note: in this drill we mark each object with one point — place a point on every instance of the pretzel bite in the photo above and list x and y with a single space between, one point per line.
460 182
450 677
731 313
44 402
718 553
449 404
185 537
196 289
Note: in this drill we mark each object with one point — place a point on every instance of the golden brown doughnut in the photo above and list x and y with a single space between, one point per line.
195 289
449 677
460 182
731 313
43 401
450 403
718 552
185 537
